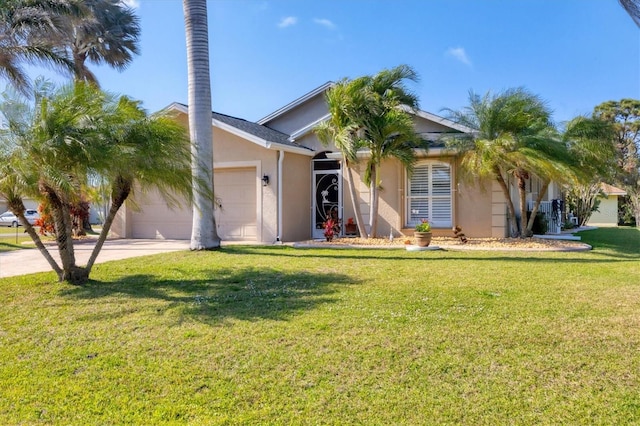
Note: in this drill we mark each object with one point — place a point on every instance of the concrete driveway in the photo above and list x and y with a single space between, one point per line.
22 262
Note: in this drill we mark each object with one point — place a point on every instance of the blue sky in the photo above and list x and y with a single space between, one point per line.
575 54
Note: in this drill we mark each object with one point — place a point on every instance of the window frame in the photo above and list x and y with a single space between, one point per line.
409 223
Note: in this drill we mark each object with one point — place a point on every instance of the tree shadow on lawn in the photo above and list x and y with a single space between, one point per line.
246 294
385 255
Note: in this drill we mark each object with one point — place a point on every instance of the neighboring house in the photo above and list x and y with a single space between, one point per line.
274 181
607 213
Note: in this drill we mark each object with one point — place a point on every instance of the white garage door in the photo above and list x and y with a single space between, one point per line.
156 220
236 192
236 220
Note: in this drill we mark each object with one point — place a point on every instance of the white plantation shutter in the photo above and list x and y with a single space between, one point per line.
429 195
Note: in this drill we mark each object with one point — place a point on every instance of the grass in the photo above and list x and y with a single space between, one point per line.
274 335
12 240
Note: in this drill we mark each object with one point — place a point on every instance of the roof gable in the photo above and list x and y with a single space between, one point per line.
253 132
296 103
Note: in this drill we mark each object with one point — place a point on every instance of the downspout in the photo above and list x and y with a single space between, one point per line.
279 230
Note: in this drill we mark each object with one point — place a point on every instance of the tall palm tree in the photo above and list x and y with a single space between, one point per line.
104 32
513 138
27 28
386 127
204 235
343 133
78 131
633 9
371 112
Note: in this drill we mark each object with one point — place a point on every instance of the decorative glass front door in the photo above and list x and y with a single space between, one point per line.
327 200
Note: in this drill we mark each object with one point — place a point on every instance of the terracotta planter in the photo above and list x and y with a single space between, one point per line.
351 229
423 239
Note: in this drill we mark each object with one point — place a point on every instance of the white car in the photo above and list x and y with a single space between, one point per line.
9 219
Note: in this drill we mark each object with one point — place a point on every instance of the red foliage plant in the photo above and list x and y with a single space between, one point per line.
79 213
331 228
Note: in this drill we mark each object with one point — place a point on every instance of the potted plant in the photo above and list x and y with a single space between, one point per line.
350 228
422 233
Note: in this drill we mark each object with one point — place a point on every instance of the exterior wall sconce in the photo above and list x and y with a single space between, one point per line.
265 180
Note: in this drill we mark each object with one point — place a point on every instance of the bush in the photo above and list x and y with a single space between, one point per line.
540 223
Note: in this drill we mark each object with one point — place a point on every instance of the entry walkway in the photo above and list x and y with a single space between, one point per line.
22 262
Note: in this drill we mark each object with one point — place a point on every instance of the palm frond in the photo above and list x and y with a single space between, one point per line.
633 9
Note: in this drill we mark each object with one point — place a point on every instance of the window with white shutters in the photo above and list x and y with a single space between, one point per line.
429 195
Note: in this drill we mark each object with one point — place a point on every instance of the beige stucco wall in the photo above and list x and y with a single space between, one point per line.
390 197
479 209
230 151
296 206
362 192
607 214
390 207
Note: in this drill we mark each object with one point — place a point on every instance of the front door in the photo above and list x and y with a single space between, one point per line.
327 199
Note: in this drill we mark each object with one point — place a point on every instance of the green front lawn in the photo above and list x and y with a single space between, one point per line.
12 240
275 335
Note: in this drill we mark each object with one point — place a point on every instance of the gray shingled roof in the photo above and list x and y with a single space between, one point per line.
263 132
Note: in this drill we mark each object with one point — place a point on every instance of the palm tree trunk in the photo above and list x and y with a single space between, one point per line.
513 224
64 235
119 194
634 196
536 205
354 200
17 207
522 192
373 206
204 235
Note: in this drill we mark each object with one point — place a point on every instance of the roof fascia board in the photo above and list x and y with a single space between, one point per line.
308 128
175 106
244 135
259 141
611 190
420 153
437 119
292 149
295 103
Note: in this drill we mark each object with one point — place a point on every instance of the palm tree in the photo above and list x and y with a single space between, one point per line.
513 138
370 113
386 127
390 135
633 9
343 133
149 152
204 235
104 32
79 131
26 31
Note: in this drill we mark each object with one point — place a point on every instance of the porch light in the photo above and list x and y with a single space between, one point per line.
265 180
